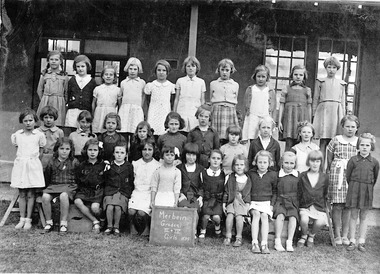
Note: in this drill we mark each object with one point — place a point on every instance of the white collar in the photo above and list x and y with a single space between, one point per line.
132 79
341 140
191 79
159 84
282 173
230 81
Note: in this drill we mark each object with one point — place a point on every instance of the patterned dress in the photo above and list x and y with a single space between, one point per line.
159 104
342 151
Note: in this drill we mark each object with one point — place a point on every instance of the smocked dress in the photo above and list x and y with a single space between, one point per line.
342 152
190 99
329 107
106 102
27 169
159 106
131 112
297 103
52 91
287 195
141 195
213 187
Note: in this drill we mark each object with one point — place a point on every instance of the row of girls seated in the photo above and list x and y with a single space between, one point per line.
164 188
136 101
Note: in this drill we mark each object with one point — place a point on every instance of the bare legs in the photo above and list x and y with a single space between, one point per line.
64 203
341 219
362 226
26 205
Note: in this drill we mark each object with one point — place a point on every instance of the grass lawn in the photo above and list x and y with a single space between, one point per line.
33 251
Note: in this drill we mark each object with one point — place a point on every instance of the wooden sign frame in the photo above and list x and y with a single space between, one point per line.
173 226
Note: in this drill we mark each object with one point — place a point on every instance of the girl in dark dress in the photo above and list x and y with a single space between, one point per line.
90 180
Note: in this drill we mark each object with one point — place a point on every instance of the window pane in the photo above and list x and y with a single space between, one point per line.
338 47
286 46
98 67
321 69
43 63
271 63
272 46
73 46
352 77
300 62
325 48
69 67
284 67
299 48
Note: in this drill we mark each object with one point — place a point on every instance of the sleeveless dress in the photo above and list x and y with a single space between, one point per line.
296 102
213 187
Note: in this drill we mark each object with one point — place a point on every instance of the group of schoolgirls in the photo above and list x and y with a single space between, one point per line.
193 171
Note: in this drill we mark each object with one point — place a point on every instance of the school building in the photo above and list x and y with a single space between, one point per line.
276 33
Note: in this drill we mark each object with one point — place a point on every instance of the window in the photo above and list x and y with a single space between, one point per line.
99 67
281 54
347 52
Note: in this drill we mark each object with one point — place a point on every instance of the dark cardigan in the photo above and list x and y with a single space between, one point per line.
230 190
273 148
189 185
316 196
265 188
119 179
80 98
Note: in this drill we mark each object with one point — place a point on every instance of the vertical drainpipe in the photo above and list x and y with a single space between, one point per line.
193 30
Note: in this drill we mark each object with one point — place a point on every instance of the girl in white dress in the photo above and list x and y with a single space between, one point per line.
27 172
139 204
260 102
190 93
131 111
105 98
159 94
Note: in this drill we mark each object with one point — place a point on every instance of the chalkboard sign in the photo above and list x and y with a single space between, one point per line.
174 226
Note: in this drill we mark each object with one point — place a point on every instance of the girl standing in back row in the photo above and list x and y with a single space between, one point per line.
190 93
159 93
224 94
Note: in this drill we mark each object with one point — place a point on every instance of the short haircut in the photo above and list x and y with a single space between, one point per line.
176 116
269 120
216 151
202 109
85 114
162 63
240 157
369 136
26 112
49 110
167 149
191 60
333 61
301 125
121 144
82 58
261 68
149 141
263 153
114 73
350 117
289 154
191 148
224 63
113 115
92 141
133 61
313 156
59 143
141 125
233 129
305 74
